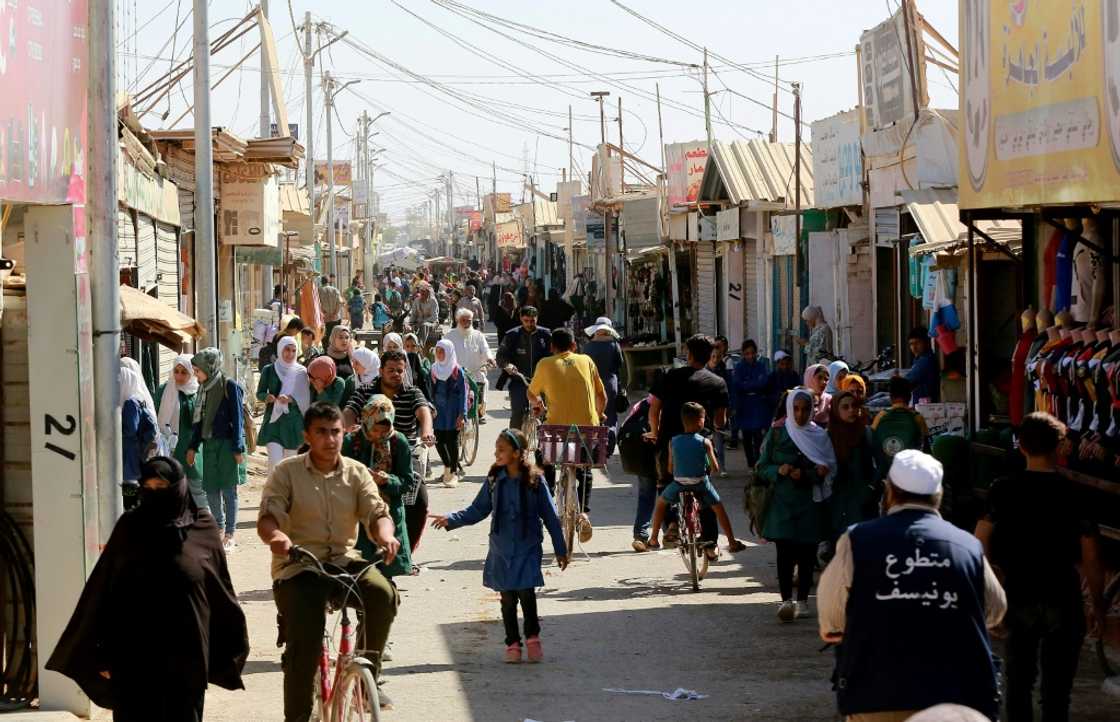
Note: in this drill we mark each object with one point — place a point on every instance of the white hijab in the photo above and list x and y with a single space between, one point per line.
442 370
293 381
133 387
370 363
169 402
143 393
392 338
812 441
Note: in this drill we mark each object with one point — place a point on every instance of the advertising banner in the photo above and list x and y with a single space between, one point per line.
44 72
1039 89
341 173
685 168
887 86
508 235
837 161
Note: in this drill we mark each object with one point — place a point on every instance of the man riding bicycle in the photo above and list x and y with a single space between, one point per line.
321 501
576 396
473 353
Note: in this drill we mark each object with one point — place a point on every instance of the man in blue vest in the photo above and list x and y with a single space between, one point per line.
909 598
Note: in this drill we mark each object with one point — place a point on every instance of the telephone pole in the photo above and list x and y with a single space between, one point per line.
206 265
309 129
799 256
707 104
328 92
266 131
621 157
774 106
571 151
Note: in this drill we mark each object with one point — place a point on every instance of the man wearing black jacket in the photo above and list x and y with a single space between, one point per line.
521 350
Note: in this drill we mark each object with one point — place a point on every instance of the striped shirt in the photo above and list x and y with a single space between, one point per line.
405 405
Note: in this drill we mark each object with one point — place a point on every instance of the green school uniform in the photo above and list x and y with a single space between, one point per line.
356 446
286 430
183 444
335 393
793 515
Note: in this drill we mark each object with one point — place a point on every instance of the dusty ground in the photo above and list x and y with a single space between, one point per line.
613 620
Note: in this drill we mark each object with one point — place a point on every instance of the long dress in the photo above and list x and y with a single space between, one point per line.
516 537
183 444
160 614
286 430
398 465
793 515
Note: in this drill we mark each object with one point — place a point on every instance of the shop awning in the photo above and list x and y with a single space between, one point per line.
647 254
152 320
937 216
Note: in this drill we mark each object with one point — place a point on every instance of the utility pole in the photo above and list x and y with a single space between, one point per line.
571 150
599 95
206 265
774 106
104 271
328 92
621 148
309 128
266 131
799 257
707 104
450 214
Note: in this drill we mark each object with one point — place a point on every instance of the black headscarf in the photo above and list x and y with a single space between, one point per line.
170 507
159 612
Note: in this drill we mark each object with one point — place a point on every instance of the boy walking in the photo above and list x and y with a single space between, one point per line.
691 456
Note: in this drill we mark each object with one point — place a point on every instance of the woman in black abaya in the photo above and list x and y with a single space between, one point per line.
158 619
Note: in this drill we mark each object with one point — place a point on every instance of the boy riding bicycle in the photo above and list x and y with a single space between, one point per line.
691 456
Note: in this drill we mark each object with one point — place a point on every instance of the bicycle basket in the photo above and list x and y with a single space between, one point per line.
575 445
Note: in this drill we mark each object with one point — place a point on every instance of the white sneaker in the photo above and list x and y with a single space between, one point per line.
803 609
229 545
446 476
788 611
451 480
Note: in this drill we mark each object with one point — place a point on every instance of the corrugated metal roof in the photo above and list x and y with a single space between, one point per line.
757 171
292 199
937 216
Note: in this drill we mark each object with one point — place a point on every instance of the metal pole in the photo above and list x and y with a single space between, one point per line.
450 213
266 131
621 150
309 162
707 103
205 254
368 261
104 273
571 150
799 257
774 106
328 98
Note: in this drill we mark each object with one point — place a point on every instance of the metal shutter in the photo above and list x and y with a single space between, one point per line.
706 287
126 238
145 253
750 289
167 282
886 225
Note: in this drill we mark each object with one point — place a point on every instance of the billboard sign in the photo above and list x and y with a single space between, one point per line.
887 87
508 235
44 75
341 173
837 161
1040 115
685 169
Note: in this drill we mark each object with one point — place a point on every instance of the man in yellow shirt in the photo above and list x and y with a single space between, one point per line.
570 385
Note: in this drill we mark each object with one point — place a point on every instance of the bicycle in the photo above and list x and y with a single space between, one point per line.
532 420
468 435
690 545
350 694
572 447
1108 636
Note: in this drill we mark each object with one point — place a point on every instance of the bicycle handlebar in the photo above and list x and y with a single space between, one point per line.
296 553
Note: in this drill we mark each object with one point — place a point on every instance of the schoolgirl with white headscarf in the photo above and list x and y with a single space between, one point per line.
284 385
175 414
449 396
138 429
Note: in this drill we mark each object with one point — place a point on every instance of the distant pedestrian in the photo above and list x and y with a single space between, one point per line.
158 618
175 413
816 380
754 409
138 430
1039 539
330 303
285 389
219 430
782 378
505 318
517 502
449 396
819 345
909 598
355 302
897 428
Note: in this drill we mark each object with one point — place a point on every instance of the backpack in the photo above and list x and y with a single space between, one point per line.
249 427
636 453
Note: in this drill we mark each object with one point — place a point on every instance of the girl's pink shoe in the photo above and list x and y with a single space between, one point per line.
513 653
533 646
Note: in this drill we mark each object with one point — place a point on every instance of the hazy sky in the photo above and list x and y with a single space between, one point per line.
498 114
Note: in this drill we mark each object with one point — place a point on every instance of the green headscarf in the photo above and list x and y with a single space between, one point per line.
209 360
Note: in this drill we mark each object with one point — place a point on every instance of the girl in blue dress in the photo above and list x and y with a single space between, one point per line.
517 502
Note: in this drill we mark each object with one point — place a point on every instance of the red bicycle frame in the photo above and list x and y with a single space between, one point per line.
345 651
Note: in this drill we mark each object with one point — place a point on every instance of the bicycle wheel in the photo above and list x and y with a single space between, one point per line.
1108 638
318 705
356 698
468 441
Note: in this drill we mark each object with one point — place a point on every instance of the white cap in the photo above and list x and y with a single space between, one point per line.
915 472
600 323
948 713
779 355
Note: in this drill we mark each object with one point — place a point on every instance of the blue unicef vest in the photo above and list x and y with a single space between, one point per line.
915 633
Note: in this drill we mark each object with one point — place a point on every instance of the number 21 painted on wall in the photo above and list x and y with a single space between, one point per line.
51 425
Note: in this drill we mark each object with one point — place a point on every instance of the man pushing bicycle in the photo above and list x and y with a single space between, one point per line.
317 500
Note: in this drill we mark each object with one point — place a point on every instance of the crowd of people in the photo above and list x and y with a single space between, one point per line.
839 491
